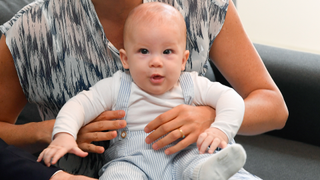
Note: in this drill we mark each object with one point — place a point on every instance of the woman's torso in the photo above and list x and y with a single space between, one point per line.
59 49
62 49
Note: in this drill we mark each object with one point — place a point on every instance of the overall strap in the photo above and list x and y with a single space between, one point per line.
187 87
122 101
124 92
186 84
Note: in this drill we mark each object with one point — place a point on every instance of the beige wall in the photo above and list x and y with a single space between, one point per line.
292 24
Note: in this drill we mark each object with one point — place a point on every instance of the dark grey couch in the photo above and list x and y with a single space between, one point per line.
291 153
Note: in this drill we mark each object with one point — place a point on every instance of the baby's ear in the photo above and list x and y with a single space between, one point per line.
124 58
184 59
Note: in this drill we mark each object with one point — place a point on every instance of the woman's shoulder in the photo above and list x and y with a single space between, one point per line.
204 7
41 11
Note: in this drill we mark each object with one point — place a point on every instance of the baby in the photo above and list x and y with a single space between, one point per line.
154 57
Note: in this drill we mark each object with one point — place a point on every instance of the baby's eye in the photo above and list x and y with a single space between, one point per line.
167 51
144 51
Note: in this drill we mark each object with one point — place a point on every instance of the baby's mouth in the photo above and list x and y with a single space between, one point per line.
156 78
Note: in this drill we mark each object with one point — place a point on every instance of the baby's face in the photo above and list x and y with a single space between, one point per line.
155 56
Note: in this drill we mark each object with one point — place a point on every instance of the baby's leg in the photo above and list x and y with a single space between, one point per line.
122 170
221 165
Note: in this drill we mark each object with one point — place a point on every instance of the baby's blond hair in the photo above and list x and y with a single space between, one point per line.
154 13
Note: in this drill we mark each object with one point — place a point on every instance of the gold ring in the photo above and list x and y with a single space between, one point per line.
182 135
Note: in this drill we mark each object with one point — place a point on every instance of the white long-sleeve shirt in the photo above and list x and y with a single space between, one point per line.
143 107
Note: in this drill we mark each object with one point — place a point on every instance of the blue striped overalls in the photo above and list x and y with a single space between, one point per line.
129 157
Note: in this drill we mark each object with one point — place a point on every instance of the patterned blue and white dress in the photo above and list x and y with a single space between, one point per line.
59 49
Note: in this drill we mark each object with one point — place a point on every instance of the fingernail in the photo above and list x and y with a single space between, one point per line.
148 141
167 152
155 147
146 129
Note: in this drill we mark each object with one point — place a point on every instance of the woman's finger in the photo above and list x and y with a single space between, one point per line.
192 119
162 119
103 125
94 130
96 136
195 119
165 129
191 138
181 118
110 115
168 139
86 145
175 134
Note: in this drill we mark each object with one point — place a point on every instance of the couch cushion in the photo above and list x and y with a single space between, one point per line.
272 157
8 8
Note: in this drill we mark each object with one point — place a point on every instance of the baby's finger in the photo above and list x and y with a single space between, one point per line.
201 138
215 143
48 155
77 151
57 155
206 143
40 156
223 144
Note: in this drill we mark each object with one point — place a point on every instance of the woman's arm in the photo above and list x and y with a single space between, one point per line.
12 101
61 175
236 58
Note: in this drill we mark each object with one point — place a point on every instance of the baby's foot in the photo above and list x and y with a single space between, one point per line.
222 165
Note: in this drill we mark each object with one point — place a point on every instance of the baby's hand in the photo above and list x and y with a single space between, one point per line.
212 137
63 143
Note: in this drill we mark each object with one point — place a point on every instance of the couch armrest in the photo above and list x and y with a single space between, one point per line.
297 75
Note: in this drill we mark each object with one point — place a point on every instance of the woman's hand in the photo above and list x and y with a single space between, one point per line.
94 130
191 120
61 175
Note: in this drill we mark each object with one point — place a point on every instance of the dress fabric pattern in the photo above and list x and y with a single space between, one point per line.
59 46
59 49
